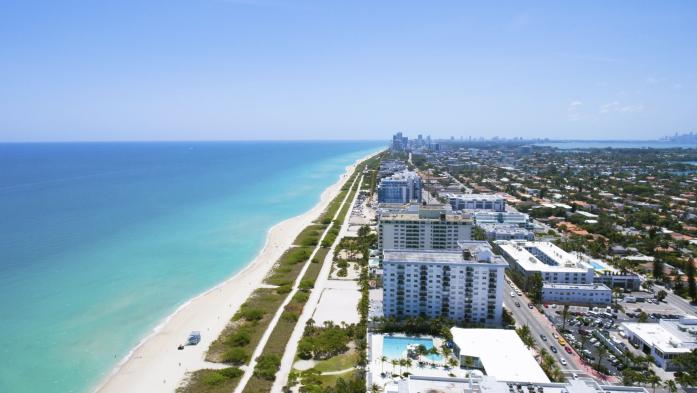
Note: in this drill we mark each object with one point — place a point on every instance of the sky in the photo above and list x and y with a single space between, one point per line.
272 69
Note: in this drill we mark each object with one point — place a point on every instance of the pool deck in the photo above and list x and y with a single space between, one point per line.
376 366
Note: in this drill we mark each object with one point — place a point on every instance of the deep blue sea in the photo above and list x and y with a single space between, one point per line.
101 241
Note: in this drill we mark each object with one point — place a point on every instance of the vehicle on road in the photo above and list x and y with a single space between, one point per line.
561 341
543 337
517 304
568 350
562 361
553 349
530 306
512 293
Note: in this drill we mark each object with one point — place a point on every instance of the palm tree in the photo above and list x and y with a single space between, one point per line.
408 363
584 340
375 388
564 314
383 359
402 363
433 351
446 351
602 351
421 351
654 380
394 362
672 387
452 362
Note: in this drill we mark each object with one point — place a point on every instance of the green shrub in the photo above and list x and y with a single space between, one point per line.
251 314
236 356
231 372
267 366
306 284
283 289
301 297
239 339
290 316
212 379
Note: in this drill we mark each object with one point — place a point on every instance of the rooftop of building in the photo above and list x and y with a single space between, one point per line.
498 349
470 251
476 197
586 287
668 336
488 384
565 262
400 176
416 211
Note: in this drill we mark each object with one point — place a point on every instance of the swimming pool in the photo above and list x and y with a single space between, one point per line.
395 347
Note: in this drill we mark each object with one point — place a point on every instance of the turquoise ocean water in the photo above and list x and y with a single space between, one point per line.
101 241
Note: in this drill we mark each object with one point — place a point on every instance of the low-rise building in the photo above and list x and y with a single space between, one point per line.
664 340
402 187
506 232
494 351
491 202
477 383
518 219
578 294
465 285
629 281
554 264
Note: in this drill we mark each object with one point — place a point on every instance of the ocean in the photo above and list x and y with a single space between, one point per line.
101 241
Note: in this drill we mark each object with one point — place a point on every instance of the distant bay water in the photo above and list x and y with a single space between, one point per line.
100 241
600 144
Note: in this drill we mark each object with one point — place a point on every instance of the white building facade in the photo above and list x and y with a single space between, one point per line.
665 340
555 265
402 187
491 202
465 285
417 227
578 294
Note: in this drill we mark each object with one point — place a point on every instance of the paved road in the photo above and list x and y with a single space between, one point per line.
678 302
539 324
459 183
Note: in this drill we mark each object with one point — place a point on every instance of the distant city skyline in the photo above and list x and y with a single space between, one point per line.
268 69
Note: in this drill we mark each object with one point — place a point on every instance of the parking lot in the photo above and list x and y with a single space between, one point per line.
595 333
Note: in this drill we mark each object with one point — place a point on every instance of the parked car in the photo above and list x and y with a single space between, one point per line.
567 349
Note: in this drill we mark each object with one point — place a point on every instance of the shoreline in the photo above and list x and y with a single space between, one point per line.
155 364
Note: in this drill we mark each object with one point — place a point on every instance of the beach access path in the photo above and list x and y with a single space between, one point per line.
249 370
156 365
311 305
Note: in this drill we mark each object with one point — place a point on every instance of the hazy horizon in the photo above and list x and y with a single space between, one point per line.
301 70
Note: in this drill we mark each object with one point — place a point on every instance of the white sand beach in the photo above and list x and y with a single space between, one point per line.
156 365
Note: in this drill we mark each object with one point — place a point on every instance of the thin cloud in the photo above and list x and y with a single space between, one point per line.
574 110
617 107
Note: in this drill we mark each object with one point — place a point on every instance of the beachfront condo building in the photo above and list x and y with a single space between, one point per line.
464 285
490 202
402 187
418 227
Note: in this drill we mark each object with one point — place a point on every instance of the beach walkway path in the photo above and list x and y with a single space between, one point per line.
309 309
249 371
